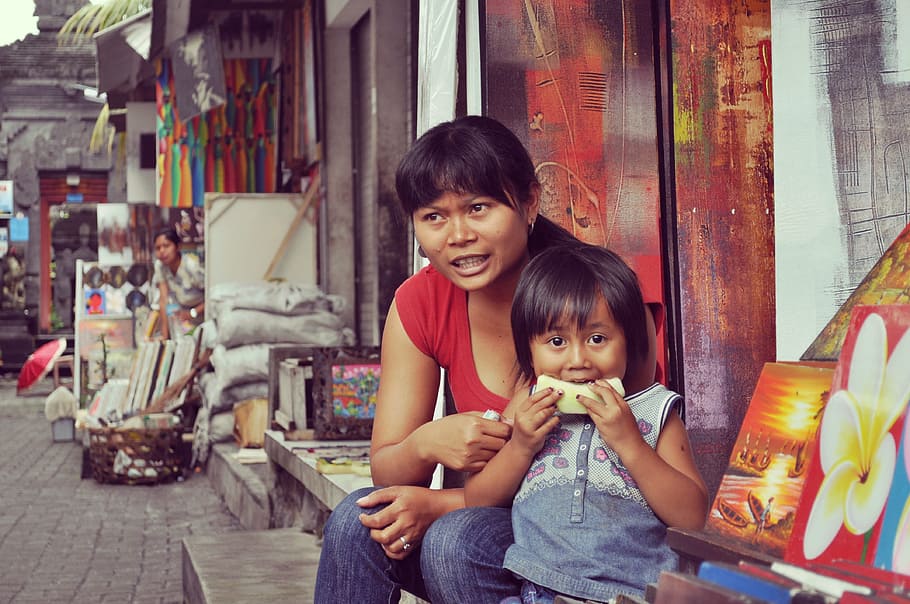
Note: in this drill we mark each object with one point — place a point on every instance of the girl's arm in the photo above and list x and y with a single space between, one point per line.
667 476
498 481
406 442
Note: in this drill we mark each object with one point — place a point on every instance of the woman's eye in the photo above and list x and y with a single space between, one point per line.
430 217
478 207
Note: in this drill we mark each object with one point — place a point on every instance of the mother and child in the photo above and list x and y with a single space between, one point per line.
554 504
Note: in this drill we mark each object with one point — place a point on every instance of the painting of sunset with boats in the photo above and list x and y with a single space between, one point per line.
759 492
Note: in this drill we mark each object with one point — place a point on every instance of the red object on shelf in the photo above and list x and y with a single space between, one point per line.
39 363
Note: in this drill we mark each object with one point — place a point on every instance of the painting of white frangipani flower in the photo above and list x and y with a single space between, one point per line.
893 552
857 451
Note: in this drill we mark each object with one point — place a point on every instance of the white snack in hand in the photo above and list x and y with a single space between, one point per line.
568 403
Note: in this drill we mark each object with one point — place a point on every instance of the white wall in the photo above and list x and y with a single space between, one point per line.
140 184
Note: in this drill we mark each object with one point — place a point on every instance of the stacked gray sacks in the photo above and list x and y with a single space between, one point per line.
243 321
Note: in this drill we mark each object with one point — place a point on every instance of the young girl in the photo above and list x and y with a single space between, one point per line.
591 494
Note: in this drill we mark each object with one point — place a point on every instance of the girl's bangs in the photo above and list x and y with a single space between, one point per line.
570 302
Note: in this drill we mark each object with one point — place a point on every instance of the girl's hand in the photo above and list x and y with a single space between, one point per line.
463 442
534 418
613 418
410 511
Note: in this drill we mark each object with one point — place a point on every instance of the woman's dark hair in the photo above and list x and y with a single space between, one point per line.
473 154
568 281
169 233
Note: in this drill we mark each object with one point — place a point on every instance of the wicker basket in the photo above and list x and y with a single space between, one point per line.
135 456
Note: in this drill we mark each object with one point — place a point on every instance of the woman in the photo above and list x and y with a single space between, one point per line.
470 190
181 282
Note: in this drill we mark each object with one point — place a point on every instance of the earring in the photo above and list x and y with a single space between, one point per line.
420 252
530 229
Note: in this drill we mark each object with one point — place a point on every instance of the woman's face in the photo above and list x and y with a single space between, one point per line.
473 240
165 250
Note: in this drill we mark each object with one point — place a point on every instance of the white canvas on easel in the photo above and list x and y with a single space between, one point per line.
245 232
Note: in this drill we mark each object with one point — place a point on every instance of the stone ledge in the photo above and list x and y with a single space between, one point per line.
329 489
241 486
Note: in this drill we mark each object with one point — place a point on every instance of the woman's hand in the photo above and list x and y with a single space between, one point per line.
463 442
534 418
613 418
405 519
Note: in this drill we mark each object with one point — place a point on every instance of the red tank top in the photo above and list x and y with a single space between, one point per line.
434 314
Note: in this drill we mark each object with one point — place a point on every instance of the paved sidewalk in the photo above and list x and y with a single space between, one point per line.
65 539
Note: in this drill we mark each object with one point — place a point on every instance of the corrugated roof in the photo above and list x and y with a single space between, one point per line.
40 56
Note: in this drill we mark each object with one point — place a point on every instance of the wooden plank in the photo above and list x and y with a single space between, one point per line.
694 547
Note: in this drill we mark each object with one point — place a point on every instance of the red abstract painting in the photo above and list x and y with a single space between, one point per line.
575 81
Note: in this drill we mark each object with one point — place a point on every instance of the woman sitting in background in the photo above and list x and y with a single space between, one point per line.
181 282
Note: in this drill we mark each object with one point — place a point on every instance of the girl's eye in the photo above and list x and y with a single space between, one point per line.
598 338
557 341
430 217
478 208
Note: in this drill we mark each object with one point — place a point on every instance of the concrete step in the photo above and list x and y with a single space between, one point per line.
257 564
243 487
250 566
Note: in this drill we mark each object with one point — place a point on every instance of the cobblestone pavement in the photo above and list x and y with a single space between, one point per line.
68 539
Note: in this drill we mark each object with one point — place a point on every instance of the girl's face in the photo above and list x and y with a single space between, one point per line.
473 240
596 350
165 250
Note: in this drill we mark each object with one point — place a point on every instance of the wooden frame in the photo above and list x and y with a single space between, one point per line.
277 355
345 382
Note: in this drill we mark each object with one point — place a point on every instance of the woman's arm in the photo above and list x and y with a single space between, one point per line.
163 296
406 442
498 481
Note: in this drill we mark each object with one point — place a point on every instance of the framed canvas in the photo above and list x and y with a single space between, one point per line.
262 222
105 350
760 490
345 383
852 470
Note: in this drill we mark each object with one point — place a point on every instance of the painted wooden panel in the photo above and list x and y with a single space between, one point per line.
721 66
575 80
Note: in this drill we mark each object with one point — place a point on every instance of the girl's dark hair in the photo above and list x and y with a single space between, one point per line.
169 233
478 155
568 281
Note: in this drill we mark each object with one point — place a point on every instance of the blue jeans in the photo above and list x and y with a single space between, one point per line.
458 560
